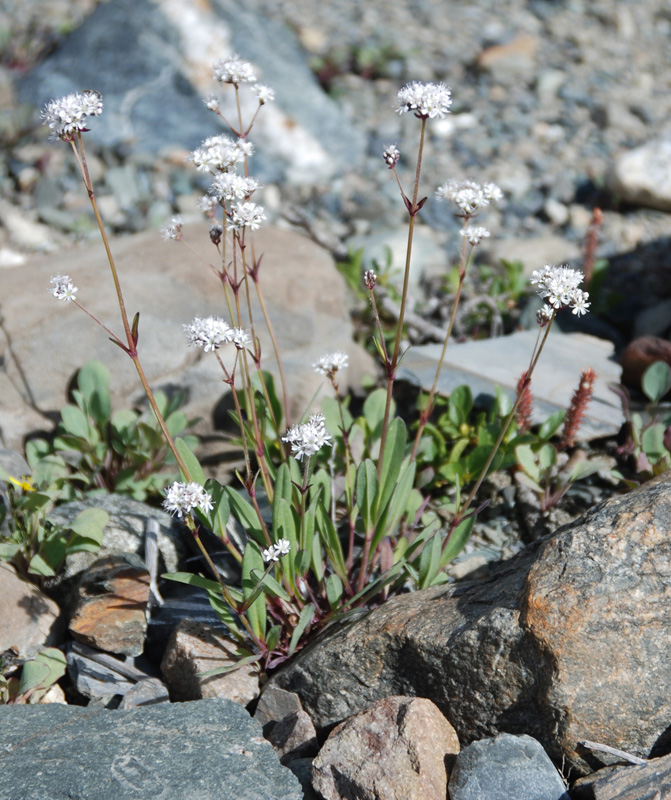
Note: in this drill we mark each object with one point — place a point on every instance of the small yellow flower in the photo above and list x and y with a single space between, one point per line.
25 482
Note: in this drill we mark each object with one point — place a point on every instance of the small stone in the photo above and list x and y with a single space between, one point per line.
505 767
643 176
294 737
194 648
396 749
29 620
639 355
111 612
145 693
275 704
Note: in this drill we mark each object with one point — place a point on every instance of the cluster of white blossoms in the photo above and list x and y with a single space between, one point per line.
229 186
233 70
308 438
63 288
173 229
264 94
281 548
559 286
221 153
474 234
469 196
182 498
211 332
425 99
246 215
68 114
391 156
331 363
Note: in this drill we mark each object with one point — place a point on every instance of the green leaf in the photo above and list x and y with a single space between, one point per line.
246 515
273 637
429 562
283 486
90 524
304 620
330 540
460 405
392 462
93 377
271 586
373 412
585 468
252 560
75 422
460 535
547 457
38 566
334 589
48 666
217 519
366 492
656 381
193 580
551 425
527 460
397 506
8 550
191 462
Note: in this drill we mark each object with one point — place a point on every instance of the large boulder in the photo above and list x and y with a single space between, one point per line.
568 641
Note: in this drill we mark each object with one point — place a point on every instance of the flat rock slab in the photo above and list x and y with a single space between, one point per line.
205 750
500 362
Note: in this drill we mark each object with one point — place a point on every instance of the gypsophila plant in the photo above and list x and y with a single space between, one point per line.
327 513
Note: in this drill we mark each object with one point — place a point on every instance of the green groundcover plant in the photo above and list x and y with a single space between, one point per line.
328 513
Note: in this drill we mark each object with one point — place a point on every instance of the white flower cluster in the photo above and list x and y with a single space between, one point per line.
559 286
229 186
331 363
63 288
220 153
391 156
425 99
246 215
308 438
474 234
173 229
68 114
281 548
233 70
469 196
263 93
211 332
182 498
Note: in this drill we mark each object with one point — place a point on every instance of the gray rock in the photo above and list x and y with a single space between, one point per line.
505 767
306 303
275 704
483 365
145 693
204 750
154 95
642 176
294 737
29 620
567 641
124 532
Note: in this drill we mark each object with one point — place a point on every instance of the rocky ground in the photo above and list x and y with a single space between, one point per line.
565 105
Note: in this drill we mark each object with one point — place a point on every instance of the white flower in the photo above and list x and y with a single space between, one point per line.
391 156
229 186
212 102
264 93
208 332
275 551
246 215
233 70
330 364
173 229
68 115
369 279
207 204
560 287
425 99
283 547
63 288
220 154
544 315
475 234
308 438
469 196
182 498
241 338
